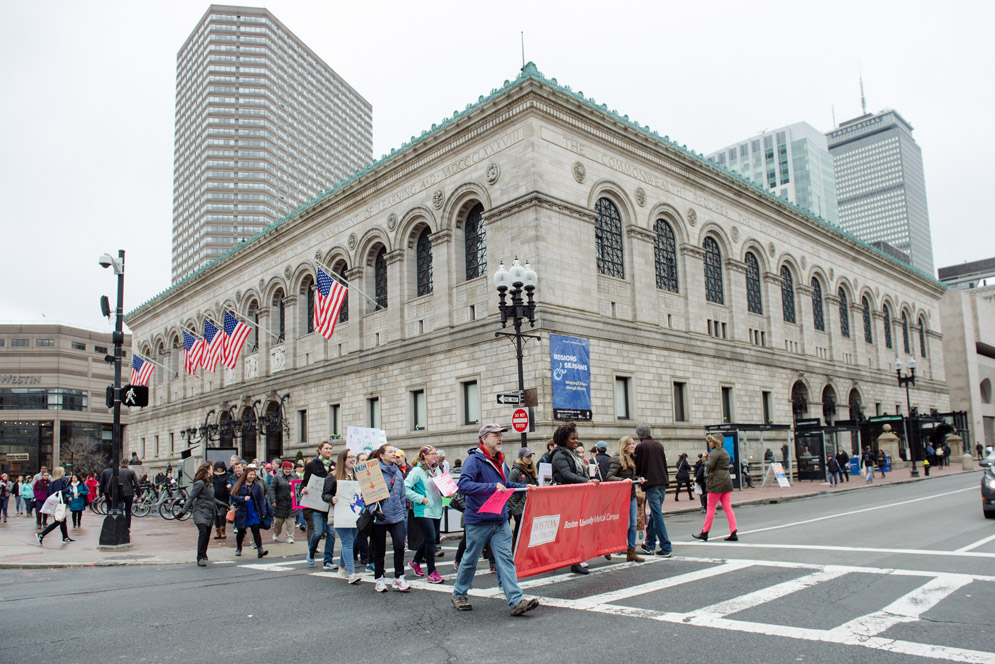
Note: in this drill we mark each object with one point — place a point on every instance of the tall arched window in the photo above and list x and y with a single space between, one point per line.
307 288
818 319
279 315
339 270
905 334
713 271
380 279
868 328
608 239
787 295
754 301
252 313
665 250
475 242
844 314
922 336
887 326
423 261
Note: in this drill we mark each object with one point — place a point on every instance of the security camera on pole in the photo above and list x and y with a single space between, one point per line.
518 279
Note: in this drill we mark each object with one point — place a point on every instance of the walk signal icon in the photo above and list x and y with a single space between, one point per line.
136 396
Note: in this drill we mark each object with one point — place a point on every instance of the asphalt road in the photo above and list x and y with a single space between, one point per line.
887 574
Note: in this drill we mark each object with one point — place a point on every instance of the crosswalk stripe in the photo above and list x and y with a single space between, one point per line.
660 584
764 595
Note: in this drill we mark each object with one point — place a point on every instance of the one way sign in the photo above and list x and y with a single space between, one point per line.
510 398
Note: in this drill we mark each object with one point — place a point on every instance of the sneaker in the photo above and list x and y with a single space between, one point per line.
524 605
330 566
382 586
646 549
344 573
253 545
261 553
354 578
462 603
202 562
416 568
310 558
493 568
664 554
435 577
577 569
238 551
401 585
370 567
39 538
290 539
275 538
68 539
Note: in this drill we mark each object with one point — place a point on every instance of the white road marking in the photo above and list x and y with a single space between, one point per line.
858 549
852 512
660 584
980 542
770 593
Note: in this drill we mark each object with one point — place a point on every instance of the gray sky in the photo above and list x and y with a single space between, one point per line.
88 90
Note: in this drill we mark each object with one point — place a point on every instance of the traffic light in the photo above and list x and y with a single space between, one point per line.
135 396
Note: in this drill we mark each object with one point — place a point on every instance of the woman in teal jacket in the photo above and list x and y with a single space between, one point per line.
77 499
27 496
426 501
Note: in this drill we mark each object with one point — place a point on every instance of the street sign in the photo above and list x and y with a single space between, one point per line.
510 399
135 396
520 420
17 456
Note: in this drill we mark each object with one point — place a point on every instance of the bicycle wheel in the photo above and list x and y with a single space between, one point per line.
166 510
95 505
175 507
141 509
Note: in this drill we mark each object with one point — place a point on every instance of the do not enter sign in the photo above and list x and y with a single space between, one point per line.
520 420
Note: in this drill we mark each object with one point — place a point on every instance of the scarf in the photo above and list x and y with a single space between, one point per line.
497 460
326 462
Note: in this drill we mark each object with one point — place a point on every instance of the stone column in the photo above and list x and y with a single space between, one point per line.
694 271
265 342
442 277
831 315
774 309
803 315
643 269
357 305
292 328
397 295
739 319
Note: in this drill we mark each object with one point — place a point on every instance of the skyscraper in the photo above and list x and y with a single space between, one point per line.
262 126
792 162
880 186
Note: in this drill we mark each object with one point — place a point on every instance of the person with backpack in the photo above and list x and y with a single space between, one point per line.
683 477
426 503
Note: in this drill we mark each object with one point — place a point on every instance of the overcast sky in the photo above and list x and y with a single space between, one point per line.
88 92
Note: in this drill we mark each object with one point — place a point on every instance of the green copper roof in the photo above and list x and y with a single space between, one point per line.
529 71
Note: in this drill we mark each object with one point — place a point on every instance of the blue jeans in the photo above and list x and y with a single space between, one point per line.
348 537
3 506
320 522
832 479
656 530
498 535
633 515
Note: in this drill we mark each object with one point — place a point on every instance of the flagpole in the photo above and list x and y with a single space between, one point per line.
255 325
192 333
153 362
342 280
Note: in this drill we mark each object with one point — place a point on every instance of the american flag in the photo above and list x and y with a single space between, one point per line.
194 352
235 331
328 299
214 345
141 370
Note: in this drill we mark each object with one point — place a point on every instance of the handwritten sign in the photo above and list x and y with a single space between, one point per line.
447 486
364 439
349 504
371 482
495 503
295 494
312 499
545 474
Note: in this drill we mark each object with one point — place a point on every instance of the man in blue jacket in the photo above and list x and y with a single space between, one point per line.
485 472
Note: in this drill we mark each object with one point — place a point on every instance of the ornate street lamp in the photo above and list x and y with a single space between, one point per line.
905 381
513 282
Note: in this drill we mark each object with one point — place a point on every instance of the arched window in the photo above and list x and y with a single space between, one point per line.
423 260
174 357
713 271
279 314
922 336
887 326
868 328
905 334
665 249
475 241
754 301
344 311
253 315
844 314
818 319
380 279
799 400
608 239
787 295
307 288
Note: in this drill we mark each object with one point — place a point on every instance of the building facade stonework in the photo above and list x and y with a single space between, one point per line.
683 291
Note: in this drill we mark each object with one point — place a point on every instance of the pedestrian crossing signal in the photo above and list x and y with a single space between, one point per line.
135 396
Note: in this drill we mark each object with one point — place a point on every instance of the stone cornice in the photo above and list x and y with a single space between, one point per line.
441 236
395 256
536 199
640 233
734 265
691 251
772 278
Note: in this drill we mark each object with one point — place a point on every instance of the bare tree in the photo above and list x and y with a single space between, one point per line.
84 451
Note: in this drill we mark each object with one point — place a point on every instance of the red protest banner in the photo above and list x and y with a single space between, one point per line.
567 524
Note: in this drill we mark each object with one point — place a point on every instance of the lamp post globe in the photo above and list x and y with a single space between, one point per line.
512 283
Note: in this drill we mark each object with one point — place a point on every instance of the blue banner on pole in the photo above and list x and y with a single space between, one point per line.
571 371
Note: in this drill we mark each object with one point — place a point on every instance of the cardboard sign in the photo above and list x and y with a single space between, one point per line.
371 482
295 494
349 504
312 499
447 486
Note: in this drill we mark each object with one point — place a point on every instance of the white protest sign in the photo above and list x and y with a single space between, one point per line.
447 486
545 474
364 439
312 499
349 504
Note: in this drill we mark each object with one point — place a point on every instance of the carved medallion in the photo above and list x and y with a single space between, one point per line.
262 283
735 234
287 272
640 196
251 366
771 250
391 221
438 198
317 255
229 375
238 297
579 171
832 274
352 240
493 173
803 262
692 216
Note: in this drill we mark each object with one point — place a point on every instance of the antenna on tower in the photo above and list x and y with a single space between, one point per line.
523 50
863 101
834 115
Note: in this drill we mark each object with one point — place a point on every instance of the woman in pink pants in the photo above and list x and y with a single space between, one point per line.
718 484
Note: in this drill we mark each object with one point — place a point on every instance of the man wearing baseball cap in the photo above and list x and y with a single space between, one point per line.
485 472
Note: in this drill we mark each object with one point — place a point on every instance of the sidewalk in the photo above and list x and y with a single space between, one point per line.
156 541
